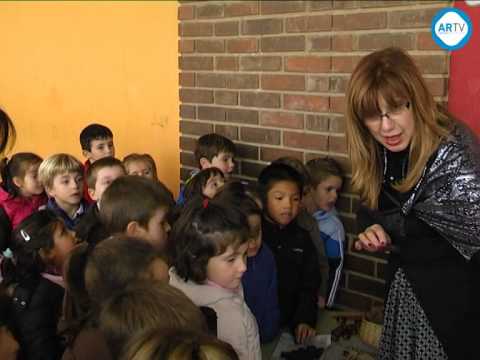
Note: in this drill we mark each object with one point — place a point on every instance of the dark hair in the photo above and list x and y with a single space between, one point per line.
275 173
93 169
33 234
322 168
94 132
17 166
205 229
144 306
7 131
178 344
297 165
211 145
241 195
133 198
194 186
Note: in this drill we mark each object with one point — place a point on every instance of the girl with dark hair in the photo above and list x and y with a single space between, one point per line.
205 184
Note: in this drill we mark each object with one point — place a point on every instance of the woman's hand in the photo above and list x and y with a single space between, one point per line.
374 238
303 332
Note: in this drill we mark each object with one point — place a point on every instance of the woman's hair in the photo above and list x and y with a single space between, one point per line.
17 166
275 173
205 229
178 345
33 234
143 306
322 168
391 75
195 185
7 132
145 158
241 195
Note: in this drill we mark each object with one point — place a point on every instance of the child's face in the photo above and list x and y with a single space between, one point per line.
283 202
100 148
30 185
223 161
326 193
255 240
105 176
67 189
64 241
157 229
212 186
226 270
140 168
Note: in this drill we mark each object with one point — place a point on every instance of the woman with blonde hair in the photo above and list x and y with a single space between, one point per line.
417 171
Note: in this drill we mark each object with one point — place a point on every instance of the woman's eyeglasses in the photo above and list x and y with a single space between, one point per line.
391 115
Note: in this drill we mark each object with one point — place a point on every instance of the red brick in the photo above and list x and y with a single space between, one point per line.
283 43
408 19
226 63
195 128
281 119
186 12
186 79
187 111
317 83
262 26
242 116
187 159
210 80
426 42
337 144
186 46
437 86
281 7
245 151
242 45
305 102
385 3
196 29
223 97
196 63
307 64
344 4
228 131
227 28
309 23
317 122
381 270
360 265
209 11
337 104
344 64
271 154
283 82
211 113
251 169
196 96
241 8
260 99
305 141
260 63
320 5
405 41
360 21
261 136
338 84
210 46
319 43
343 204
341 42
337 124
366 286
354 301
242 81
432 64
187 143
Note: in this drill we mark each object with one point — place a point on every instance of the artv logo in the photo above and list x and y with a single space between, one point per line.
451 28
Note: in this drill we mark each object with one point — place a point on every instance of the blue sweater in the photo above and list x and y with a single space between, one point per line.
260 291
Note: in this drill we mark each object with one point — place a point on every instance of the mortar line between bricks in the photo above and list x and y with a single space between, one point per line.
371 297
326 53
370 277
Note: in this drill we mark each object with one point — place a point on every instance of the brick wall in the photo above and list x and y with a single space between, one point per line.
271 75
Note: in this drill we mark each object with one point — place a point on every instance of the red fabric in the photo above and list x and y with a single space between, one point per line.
86 196
18 208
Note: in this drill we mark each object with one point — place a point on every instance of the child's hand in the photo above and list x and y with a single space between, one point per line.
303 332
374 238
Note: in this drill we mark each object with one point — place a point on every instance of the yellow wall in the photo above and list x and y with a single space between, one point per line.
64 65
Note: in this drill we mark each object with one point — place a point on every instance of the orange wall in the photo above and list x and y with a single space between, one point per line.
64 65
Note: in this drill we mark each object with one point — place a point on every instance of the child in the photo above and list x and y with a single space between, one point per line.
143 306
40 245
205 183
281 188
177 345
137 206
327 180
99 176
213 150
140 165
21 192
62 177
211 242
97 142
260 280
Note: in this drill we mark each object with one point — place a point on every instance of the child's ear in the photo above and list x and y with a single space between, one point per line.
49 191
91 193
86 154
134 229
17 181
205 163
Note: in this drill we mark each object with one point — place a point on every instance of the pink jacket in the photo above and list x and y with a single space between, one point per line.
18 208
